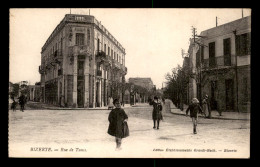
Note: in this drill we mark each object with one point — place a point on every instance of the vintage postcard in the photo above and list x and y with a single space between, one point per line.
129 83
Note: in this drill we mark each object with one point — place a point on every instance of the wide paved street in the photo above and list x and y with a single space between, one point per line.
84 134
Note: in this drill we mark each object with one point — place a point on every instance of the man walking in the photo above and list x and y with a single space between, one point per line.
22 101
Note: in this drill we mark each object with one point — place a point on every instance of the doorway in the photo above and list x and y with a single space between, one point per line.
97 94
213 101
229 94
80 84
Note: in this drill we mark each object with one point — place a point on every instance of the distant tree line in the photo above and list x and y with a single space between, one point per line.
177 86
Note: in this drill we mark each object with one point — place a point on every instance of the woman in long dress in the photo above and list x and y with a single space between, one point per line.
110 103
157 112
205 107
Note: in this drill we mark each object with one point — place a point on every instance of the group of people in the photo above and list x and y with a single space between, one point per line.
21 100
118 120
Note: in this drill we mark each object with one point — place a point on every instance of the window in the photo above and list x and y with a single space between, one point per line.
105 49
108 51
212 62
243 44
112 53
198 58
202 54
88 37
61 42
79 39
227 52
98 44
81 68
79 18
245 89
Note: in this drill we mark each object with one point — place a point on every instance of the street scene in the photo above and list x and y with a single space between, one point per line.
87 130
152 87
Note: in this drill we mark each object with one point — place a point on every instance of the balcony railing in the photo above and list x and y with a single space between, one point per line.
41 69
217 62
116 64
101 56
79 50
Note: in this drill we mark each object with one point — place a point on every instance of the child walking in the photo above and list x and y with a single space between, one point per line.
118 124
194 109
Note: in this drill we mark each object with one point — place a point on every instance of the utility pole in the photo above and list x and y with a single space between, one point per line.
242 13
235 33
216 21
70 10
193 31
193 61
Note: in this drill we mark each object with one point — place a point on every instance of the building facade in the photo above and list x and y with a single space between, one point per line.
143 82
146 83
82 64
34 92
221 66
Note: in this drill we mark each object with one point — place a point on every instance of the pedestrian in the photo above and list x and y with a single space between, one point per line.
22 101
163 100
13 105
157 112
118 124
110 103
194 109
206 107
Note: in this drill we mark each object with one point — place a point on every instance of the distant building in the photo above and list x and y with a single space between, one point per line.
221 66
34 93
82 64
23 86
10 89
143 82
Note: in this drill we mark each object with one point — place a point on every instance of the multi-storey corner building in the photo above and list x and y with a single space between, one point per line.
81 64
221 62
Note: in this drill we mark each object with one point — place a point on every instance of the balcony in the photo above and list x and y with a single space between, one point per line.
58 56
82 50
116 65
41 69
217 62
101 56
124 70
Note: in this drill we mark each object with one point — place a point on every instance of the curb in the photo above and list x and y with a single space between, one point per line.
214 117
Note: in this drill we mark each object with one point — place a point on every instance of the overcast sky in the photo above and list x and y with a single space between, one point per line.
152 38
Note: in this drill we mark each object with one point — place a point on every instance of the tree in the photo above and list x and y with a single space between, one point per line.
176 88
15 91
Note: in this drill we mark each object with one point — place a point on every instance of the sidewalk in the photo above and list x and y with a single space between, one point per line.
215 114
173 108
39 105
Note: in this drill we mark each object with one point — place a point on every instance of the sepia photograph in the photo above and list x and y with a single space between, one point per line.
129 83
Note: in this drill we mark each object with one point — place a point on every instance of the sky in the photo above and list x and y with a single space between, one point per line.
152 38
